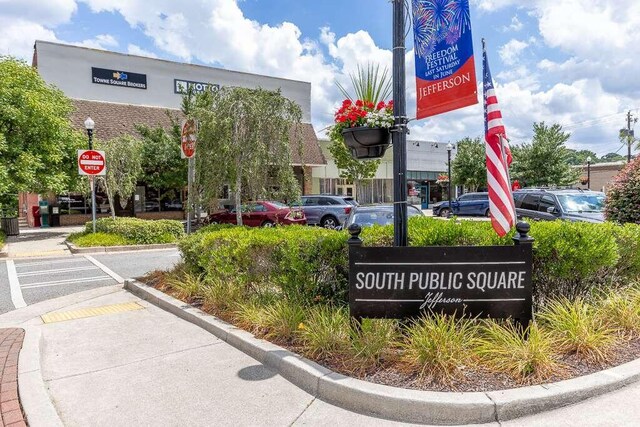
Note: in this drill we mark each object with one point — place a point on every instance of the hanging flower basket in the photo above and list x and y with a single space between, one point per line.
367 142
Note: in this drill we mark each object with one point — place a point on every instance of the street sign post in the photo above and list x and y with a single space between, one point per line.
188 139
92 163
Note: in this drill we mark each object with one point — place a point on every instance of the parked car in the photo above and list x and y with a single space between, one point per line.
467 204
172 205
567 204
261 214
326 210
366 216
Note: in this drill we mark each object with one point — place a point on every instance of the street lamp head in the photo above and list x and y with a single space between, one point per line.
589 160
89 124
449 146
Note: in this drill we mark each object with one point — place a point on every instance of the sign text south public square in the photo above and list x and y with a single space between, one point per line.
488 281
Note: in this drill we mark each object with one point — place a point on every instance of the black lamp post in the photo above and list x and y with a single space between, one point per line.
399 130
89 125
589 173
449 148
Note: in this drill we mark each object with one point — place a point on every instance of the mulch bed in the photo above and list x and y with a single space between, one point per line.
471 378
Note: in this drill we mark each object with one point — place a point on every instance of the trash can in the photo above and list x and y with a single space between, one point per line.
54 215
35 211
10 226
44 213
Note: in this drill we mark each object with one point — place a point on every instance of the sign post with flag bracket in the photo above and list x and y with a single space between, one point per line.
188 138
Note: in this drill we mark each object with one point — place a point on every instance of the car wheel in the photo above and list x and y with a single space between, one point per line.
329 222
268 224
444 212
487 213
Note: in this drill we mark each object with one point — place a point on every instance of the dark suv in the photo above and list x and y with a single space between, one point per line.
569 204
327 210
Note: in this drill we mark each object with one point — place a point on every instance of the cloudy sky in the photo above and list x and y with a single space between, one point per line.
573 62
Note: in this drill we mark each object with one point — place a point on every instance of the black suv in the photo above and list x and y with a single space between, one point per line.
327 210
570 204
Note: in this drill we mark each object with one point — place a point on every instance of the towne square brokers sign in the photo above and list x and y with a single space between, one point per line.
104 76
400 282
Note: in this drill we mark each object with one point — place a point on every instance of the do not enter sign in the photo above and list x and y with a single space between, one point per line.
188 138
91 162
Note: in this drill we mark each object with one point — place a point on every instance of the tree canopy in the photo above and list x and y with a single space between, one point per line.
544 161
124 167
469 165
162 167
37 142
244 141
579 157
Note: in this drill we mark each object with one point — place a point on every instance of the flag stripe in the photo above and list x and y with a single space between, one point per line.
498 158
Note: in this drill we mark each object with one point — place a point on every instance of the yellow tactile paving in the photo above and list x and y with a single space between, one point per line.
90 312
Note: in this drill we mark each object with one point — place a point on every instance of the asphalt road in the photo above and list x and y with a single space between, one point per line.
27 281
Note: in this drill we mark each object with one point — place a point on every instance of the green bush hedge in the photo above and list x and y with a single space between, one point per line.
2 238
140 231
85 239
311 264
302 263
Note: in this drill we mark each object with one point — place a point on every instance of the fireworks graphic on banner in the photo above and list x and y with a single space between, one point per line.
435 21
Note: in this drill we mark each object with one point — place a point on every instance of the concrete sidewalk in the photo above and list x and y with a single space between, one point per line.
38 242
147 367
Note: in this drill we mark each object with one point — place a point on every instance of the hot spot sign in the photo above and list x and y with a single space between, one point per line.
91 162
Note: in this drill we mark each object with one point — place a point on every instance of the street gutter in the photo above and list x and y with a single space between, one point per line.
93 249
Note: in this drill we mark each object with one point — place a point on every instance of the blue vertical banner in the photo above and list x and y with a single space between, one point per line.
445 69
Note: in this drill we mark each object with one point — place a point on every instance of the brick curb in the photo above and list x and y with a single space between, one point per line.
391 402
93 249
10 345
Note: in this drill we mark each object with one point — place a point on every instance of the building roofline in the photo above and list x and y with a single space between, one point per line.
206 67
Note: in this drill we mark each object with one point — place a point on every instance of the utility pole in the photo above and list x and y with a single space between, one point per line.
629 134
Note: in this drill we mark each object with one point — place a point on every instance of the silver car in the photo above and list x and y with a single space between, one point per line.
327 210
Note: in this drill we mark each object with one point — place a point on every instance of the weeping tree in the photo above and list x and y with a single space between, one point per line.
124 167
244 141
370 84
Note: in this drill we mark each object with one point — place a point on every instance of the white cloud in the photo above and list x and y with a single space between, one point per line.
17 37
101 41
515 25
45 13
137 50
510 52
493 5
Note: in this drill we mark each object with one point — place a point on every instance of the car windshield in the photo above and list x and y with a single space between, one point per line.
582 202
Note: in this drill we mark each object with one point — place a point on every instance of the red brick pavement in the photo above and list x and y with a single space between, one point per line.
10 345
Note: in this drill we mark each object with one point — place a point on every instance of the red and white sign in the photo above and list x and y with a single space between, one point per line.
91 162
188 138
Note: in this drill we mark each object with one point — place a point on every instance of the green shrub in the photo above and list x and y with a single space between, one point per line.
437 346
623 197
325 332
525 357
97 239
2 238
628 239
577 328
140 231
305 264
571 258
371 340
620 309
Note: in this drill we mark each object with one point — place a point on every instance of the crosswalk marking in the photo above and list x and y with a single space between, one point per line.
104 268
64 282
14 285
54 271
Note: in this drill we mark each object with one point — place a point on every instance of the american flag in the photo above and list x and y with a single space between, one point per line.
499 158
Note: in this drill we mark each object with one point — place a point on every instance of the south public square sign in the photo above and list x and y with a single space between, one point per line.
403 282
